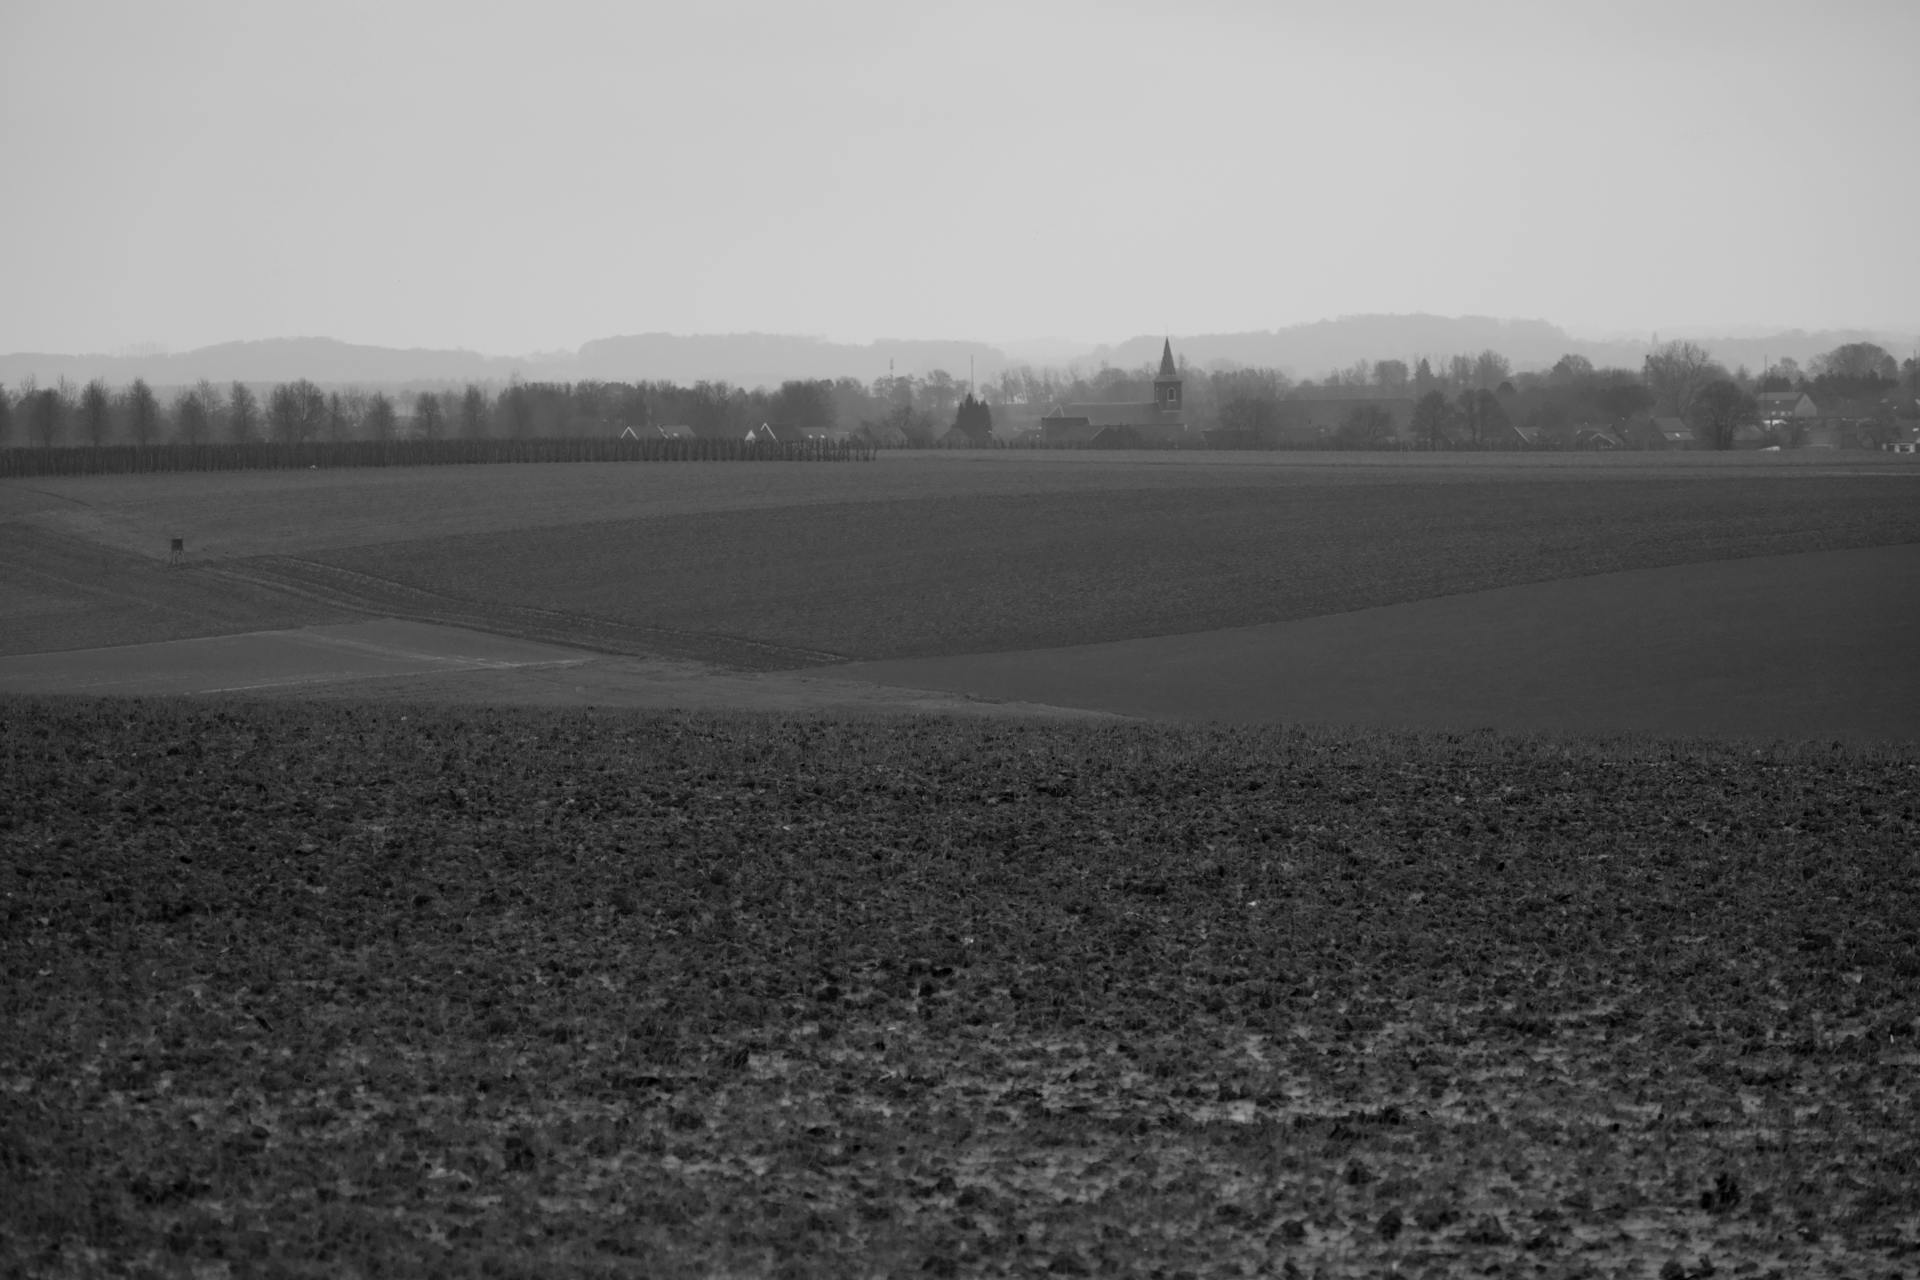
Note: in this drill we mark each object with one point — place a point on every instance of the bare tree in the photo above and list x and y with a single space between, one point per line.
1481 413
296 411
1858 362
1249 416
517 406
143 413
1391 376
192 422
381 422
1459 372
47 411
243 414
1571 371
938 393
6 414
1490 369
1367 426
1677 373
474 412
352 415
1720 409
214 398
1432 415
96 412
429 416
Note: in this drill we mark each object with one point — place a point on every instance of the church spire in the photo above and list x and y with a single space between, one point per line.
1166 386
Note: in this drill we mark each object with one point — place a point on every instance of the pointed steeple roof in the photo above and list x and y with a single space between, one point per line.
1166 361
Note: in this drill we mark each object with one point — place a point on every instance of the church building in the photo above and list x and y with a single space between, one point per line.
1154 423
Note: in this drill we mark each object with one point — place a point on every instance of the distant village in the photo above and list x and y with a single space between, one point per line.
1857 396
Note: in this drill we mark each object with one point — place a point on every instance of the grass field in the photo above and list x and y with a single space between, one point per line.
336 990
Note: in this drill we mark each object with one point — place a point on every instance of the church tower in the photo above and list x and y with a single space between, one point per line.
1167 384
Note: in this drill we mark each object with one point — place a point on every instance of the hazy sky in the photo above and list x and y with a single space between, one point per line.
516 178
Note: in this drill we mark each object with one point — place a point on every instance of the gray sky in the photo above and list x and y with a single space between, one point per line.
516 178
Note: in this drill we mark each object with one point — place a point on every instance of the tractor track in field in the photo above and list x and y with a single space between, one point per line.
349 589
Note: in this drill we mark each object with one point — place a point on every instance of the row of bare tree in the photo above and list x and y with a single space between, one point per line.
1480 393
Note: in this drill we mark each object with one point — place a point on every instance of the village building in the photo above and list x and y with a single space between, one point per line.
1156 423
1777 408
775 433
1672 433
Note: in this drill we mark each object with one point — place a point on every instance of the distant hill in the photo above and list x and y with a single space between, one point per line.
1310 350
1313 350
766 359
323 360
745 359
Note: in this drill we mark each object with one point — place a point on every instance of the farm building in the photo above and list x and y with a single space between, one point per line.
1158 422
775 433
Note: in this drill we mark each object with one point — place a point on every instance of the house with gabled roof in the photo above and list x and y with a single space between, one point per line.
1673 433
1780 407
1152 423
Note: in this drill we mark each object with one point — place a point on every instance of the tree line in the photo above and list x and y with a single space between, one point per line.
1480 402
1475 400
302 412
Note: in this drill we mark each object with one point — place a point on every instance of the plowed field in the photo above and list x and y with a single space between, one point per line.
316 989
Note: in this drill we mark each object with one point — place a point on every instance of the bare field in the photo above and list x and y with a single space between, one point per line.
236 514
391 990
1815 646
984 572
785 566
62 592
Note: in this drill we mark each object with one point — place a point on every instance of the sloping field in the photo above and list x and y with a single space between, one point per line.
758 565
236 514
1817 645
253 661
58 591
326 990
395 661
943 576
